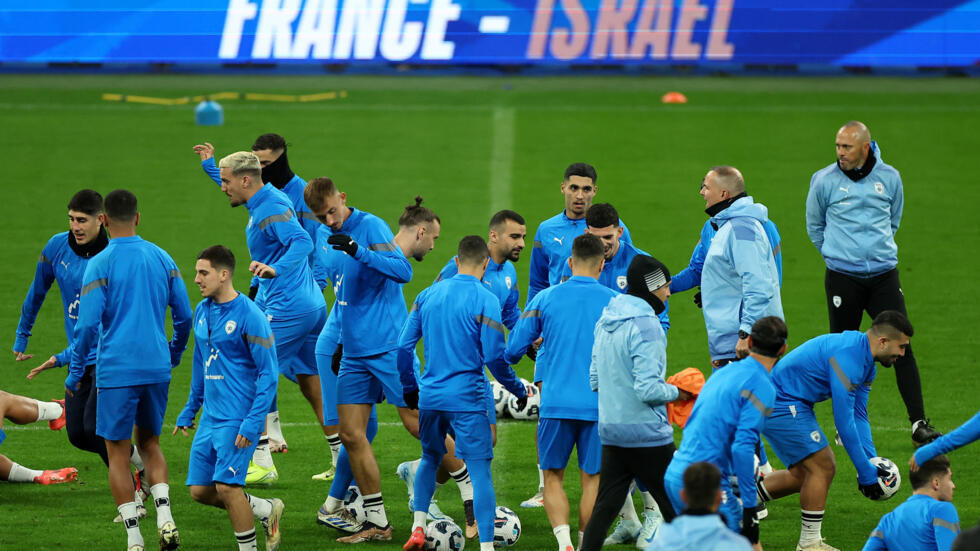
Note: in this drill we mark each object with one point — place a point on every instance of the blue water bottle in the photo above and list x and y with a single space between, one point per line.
209 113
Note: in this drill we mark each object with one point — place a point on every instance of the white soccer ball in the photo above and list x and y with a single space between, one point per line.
506 528
500 396
354 503
531 409
891 483
443 535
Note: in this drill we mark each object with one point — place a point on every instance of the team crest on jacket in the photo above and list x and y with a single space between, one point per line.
230 326
879 187
508 282
621 281
836 301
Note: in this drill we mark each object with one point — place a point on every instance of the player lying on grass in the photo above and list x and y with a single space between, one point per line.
22 410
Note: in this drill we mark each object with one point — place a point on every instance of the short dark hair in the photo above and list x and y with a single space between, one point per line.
499 218
584 170
937 466
890 321
87 201
120 205
768 336
601 215
702 481
472 250
417 214
269 141
587 248
220 257
317 190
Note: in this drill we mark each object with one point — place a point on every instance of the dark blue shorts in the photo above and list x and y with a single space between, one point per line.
557 437
471 431
119 408
215 458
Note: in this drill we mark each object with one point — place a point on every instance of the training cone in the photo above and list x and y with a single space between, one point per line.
209 113
674 97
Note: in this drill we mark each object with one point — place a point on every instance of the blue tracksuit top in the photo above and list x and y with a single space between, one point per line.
459 320
698 533
565 315
613 275
690 277
727 419
58 262
629 360
126 290
739 280
921 523
501 279
235 368
371 305
275 238
838 366
964 434
552 245
853 224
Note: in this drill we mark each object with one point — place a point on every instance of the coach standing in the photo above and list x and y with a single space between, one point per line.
853 210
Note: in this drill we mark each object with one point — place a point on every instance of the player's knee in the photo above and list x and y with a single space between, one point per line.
227 492
822 464
201 494
352 438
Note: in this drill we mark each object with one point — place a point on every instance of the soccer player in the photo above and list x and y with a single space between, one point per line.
234 378
372 310
271 151
725 424
699 526
629 359
853 210
126 290
459 321
23 410
839 366
964 434
279 248
927 521
739 279
565 315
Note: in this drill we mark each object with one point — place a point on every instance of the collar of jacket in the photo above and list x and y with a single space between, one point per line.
859 173
722 205
91 248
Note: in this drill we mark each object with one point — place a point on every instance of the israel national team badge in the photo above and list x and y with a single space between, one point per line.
508 282
621 281
879 187
815 435
230 326
836 302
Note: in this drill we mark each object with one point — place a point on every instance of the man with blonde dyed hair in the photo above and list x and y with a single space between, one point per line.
279 248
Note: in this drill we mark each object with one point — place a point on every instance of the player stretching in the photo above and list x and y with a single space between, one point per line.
235 377
22 410
840 366
459 322
125 293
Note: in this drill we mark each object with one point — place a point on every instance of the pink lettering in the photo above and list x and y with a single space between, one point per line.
691 13
611 27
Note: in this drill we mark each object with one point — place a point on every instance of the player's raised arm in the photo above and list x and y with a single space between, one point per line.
206 151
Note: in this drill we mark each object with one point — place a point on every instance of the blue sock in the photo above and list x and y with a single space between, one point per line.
343 476
484 500
275 403
425 479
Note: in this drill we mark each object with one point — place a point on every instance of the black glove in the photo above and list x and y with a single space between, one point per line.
532 353
873 491
343 242
411 399
522 401
750 524
335 361
252 291
697 299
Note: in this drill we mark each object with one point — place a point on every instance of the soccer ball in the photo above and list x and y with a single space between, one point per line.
354 503
530 410
500 396
506 528
443 535
891 483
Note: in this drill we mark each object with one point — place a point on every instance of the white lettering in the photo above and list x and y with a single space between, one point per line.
399 40
434 46
239 11
315 30
274 29
360 20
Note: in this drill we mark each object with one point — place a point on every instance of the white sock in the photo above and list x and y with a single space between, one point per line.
810 527
765 468
418 520
246 540
628 512
462 478
540 479
562 535
161 499
332 504
273 426
19 473
486 546
581 535
649 503
374 510
334 441
135 460
261 508
262 457
48 411
131 522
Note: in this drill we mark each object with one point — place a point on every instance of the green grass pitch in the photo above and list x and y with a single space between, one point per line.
471 146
